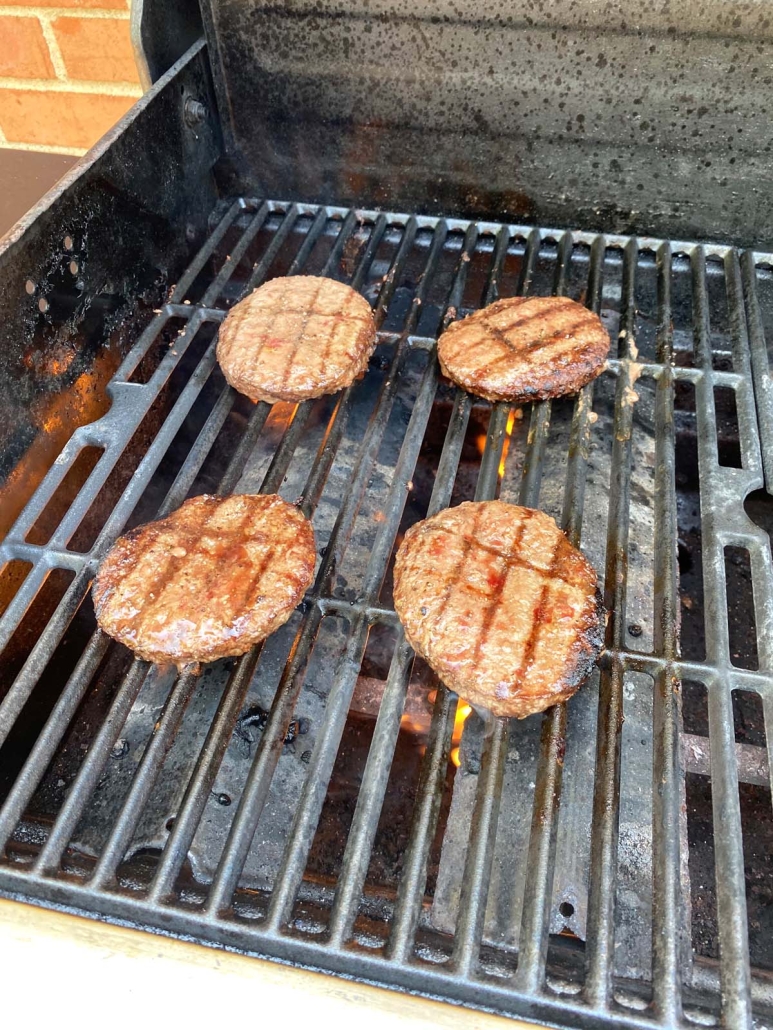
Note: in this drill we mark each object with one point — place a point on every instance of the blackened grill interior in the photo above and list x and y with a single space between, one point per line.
105 823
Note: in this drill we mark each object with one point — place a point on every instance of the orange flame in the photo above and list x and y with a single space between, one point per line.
411 726
480 440
514 412
462 712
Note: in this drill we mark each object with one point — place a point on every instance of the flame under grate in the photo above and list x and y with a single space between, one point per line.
323 799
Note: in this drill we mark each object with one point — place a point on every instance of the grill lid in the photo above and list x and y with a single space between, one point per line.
623 118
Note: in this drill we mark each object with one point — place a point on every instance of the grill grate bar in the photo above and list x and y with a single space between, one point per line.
204 254
345 233
260 270
376 236
258 780
231 263
728 847
574 493
603 863
480 853
375 777
90 771
728 852
195 458
25 682
354 866
763 382
535 920
433 768
328 739
316 229
666 799
203 777
52 733
480 849
164 731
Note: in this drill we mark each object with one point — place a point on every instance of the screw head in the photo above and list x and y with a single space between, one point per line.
194 112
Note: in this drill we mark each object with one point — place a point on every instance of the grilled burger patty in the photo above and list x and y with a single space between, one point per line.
208 581
525 349
500 604
296 338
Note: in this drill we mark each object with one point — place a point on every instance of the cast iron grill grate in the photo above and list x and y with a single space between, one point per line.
550 931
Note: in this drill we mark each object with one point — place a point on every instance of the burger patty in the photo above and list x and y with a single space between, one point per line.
296 338
500 604
525 349
208 581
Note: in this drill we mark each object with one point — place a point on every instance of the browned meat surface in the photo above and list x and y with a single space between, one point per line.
525 349
500 604
208 581
296 338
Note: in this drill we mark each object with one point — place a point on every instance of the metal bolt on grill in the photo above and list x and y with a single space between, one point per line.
546 868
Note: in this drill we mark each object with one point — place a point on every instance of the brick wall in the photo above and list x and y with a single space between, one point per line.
67 72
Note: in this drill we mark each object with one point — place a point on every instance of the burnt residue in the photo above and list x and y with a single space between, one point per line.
618 118
252 722
81 274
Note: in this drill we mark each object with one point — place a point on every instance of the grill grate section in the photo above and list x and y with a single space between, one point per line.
569 948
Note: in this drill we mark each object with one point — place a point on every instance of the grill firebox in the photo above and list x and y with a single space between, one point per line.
252 805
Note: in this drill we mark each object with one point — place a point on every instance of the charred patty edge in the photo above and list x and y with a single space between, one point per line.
559 383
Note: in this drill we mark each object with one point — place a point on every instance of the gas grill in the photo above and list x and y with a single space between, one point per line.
324 800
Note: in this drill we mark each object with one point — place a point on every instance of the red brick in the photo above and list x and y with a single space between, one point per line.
58 119
112 5
98 49
23 49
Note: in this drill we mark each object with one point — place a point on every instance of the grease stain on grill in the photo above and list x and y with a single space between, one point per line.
587 271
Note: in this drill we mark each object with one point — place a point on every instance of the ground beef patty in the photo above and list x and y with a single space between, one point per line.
296 338
208 581
525 349
500 604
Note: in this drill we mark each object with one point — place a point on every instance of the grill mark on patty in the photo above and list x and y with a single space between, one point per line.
157 583
553 350
334 316
500 334
502 643
189 541
347 317
454 578
482 320
488 616
565 331
233 585
540 346
266 335
285 377
537 616
253 582
336 319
